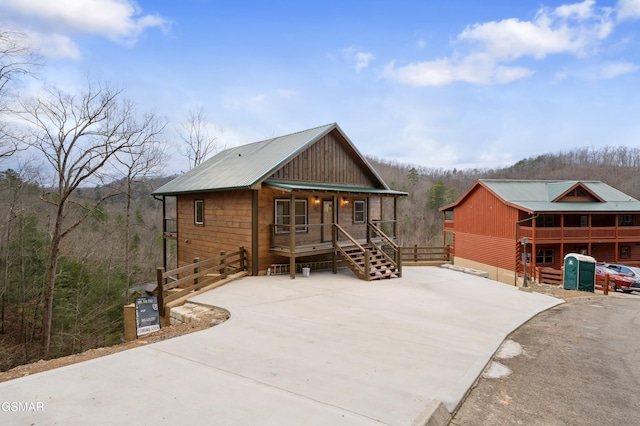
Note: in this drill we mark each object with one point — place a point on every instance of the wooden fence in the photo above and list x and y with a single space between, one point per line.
418 254
556 277
549 276
179 282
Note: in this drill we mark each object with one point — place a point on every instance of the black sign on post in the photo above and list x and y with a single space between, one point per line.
147 315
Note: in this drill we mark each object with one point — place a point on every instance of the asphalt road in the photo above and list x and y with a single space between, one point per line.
575 364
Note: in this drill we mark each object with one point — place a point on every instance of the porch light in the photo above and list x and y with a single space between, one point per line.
344 200
316 200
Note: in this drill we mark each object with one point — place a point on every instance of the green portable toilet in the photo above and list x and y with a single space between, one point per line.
579 272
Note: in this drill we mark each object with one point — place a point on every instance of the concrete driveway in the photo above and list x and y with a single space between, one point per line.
328 349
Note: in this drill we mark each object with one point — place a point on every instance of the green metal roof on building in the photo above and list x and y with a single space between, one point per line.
245 166
539 195
347 189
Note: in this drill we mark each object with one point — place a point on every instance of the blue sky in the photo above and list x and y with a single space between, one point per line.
447 84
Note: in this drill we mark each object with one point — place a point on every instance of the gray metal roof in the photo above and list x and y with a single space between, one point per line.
538 195
247 165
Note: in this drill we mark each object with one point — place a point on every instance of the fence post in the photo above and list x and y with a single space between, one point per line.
241 250
415 252
159 273
196 269
367 265
448 253
606 284
223 262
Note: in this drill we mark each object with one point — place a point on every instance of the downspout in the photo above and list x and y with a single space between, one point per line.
164 230
515 269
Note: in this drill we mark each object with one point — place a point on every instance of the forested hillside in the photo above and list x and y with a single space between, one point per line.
432 188
92 270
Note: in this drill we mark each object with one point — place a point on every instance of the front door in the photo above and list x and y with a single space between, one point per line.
327 218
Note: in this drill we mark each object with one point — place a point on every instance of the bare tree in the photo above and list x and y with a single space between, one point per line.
16 61
79 136
197 135
141 160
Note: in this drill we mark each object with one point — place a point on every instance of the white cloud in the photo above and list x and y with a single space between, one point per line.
614 70
54 45
441 72
119 20
628 9
361 59
484 51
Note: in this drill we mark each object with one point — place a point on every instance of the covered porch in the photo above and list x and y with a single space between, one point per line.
356 224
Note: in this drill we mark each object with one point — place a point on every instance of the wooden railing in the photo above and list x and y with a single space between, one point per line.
362 272
419 254
549 276
556 277
580 232
384 244
605 284
179 282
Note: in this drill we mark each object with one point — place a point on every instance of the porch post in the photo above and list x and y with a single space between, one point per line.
254 232
292 235
164 232
334 233
395 216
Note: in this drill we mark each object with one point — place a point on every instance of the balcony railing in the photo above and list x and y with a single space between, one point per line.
581 233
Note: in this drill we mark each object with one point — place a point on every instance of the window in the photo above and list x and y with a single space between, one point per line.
198 216
359 211
625 251
283 218
544 221
544 256
624 220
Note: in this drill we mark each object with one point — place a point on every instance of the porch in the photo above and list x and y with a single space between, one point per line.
375 256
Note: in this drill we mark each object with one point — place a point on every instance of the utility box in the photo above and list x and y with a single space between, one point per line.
579 272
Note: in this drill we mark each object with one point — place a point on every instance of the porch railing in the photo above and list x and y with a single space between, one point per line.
581 232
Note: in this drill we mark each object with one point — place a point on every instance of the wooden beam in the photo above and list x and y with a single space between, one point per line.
292 235
255 210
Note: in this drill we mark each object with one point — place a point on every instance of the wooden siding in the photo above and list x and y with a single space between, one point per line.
227 225
327 161
483 213
489 250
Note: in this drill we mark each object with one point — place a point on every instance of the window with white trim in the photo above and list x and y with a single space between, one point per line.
359 211
198 212
283 217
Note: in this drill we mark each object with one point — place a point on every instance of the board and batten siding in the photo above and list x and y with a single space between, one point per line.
326 161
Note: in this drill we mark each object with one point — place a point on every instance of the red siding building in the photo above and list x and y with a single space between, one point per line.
489 227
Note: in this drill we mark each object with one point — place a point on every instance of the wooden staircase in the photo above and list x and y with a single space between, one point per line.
380 266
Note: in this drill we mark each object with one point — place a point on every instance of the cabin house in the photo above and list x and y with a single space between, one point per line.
308 198
497 221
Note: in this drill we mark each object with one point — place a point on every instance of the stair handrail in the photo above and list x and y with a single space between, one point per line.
364 251
355 243
380 232
394 246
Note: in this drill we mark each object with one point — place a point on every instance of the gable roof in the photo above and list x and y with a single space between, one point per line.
248 166
547 196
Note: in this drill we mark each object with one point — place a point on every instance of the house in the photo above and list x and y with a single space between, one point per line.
497 221
307 198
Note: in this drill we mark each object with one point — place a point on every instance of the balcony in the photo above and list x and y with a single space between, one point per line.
603 233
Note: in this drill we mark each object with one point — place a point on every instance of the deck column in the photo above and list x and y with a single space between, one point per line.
292 236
